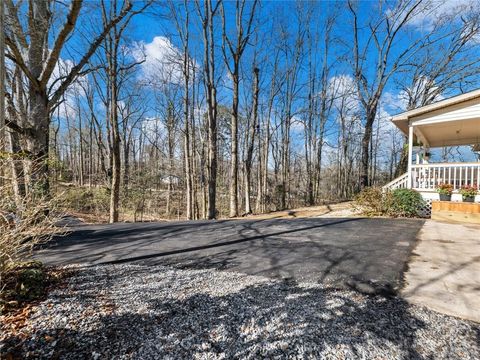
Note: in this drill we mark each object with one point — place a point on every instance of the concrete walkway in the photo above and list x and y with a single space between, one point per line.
444 272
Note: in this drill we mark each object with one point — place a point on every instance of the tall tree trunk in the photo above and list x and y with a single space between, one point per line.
14 138
38 121
234 146
234 49
80 144
253 128
37 142
112 44
211 96
367 135
266 142
403 162
115 156
126 164
170 148
186 113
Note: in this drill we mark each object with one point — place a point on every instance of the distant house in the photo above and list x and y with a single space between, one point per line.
170 180
450 122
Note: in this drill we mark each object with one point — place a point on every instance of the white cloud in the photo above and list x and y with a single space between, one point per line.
437 11
395 103
153 127
162 60
69 105
62 69
342 88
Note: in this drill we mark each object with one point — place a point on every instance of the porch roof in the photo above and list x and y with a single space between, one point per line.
449 122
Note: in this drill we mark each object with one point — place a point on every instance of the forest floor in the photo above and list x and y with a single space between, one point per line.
341 209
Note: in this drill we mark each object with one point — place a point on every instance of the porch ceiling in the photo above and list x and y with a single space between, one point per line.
465 132
450 122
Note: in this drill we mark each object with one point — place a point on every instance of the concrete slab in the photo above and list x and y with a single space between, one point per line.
444 271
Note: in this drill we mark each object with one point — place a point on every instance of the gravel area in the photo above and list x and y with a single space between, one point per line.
145 312
341 213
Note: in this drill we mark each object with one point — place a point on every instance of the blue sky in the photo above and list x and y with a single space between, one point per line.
155 33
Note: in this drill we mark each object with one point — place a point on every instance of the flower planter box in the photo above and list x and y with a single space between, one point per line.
445 197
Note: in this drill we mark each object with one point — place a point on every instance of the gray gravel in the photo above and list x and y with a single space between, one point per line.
145 312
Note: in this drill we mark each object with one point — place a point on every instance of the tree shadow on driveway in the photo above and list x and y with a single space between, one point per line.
243 238
366 254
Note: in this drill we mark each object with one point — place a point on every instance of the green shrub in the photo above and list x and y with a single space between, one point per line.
405 203
375 201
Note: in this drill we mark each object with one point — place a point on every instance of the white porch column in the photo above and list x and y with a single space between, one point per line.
410 155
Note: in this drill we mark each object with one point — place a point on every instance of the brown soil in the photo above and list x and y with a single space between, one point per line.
342 209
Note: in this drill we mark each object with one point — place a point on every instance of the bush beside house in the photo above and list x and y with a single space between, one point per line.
375 201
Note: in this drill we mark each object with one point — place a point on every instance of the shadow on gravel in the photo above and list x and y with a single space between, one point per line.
297 321
272 320
335 268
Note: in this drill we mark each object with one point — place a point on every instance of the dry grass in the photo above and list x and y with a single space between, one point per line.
23 225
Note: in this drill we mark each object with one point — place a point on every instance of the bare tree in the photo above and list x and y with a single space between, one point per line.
188 67
294 56
29 50
115 72
207 19
252 129
382 33
233 49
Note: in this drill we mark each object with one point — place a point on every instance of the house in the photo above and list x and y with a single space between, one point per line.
170 180
450 122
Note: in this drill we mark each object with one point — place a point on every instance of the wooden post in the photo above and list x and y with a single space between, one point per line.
410 154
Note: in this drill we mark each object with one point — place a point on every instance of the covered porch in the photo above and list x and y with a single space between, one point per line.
447 123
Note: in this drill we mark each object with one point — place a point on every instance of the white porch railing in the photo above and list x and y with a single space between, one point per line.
427 177
400 182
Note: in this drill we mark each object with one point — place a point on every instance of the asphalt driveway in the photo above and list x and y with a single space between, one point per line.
367 254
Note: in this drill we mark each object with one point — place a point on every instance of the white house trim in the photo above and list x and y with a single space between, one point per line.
450 122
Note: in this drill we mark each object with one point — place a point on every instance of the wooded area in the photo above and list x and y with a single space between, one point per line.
223 108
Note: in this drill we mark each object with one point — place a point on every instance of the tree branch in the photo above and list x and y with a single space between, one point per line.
93 47
59 42
18 59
